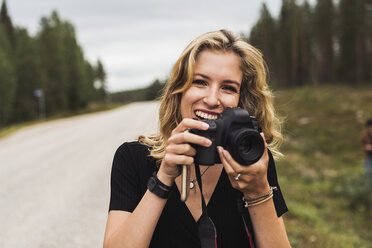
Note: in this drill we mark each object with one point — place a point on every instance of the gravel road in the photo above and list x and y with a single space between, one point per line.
55 177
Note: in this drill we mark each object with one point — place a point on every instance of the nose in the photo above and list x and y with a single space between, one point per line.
212 98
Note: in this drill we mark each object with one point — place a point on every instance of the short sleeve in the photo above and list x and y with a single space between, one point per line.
279 202
125 182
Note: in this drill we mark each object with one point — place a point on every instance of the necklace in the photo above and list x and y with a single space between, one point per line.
192 181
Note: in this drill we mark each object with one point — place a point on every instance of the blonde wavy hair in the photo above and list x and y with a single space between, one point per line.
255 95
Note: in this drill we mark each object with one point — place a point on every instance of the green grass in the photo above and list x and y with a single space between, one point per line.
91 108
322 174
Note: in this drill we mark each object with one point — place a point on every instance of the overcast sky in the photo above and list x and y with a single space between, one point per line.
139 40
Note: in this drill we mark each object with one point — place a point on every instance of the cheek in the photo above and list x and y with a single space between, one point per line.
188 98
192 95
231 101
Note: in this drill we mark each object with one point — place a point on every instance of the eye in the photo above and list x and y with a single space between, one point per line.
199 82
230 88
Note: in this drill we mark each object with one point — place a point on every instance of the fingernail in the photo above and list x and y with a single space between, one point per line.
208 142
224 153
205 125
219 149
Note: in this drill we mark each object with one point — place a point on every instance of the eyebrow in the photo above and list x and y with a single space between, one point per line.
225 81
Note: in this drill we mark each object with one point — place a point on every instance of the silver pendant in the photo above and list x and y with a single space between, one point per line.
192 184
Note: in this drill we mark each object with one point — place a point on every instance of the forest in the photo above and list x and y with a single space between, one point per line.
48 69
315 45
327 43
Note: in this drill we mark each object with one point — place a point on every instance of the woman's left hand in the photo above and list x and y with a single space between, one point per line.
252 181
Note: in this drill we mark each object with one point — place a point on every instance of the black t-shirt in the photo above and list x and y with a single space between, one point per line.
131 170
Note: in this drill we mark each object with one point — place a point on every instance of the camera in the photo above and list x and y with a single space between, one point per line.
237 132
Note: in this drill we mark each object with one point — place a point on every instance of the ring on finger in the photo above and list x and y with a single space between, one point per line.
236 178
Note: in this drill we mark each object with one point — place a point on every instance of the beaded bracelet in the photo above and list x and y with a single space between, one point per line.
250 202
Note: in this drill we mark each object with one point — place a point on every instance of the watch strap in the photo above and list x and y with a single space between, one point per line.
155 175
157 187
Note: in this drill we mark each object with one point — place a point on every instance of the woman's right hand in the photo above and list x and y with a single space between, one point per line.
179 150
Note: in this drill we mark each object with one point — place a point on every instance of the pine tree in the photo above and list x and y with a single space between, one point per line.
77 97
7 24
324 32
305 41
90 90
348 40
53 61
52 49
154 90
30 77
263 35
7 80
288 43
100 77
368 54
364 42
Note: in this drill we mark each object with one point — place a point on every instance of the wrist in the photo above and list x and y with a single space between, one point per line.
251 202
259 191
156 186
167 180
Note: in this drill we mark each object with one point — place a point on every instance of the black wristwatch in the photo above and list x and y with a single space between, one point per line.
157 187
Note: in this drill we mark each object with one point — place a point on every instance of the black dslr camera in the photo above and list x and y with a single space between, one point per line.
237 132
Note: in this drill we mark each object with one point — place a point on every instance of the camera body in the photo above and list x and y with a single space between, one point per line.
237 132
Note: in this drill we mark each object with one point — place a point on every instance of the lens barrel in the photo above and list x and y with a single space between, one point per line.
246 146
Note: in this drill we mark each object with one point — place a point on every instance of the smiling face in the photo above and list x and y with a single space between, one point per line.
216 85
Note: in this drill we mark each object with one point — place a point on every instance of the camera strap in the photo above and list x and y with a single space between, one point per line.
206 227
243 212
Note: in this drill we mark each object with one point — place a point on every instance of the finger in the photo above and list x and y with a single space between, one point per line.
180 149
186 137
188 123
253 168
229 170
235 167
170 158
264 139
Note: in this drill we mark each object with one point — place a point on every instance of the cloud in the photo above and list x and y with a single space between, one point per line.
138 41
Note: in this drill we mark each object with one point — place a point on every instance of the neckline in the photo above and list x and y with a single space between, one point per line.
210 202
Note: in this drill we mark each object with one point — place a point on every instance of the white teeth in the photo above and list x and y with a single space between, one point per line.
205 115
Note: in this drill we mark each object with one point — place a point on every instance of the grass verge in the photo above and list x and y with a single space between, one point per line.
322 174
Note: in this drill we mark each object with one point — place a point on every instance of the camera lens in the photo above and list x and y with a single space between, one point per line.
246 146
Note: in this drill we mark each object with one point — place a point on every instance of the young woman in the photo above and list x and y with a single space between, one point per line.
217 70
